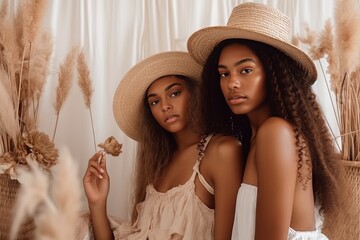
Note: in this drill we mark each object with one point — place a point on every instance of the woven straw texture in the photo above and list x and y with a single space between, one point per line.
346 223
129 95
253 21
8 191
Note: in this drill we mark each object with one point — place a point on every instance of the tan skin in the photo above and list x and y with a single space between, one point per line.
221 167
272 163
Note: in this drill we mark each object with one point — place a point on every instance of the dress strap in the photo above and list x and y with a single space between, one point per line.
201 147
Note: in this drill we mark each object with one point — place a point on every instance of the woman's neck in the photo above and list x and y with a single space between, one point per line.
186 138
258 116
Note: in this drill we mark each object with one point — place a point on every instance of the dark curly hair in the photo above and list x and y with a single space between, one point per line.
290 97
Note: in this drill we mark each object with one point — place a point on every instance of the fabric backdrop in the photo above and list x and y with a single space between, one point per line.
116 34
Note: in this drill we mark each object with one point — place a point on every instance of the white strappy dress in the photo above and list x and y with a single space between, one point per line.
244 222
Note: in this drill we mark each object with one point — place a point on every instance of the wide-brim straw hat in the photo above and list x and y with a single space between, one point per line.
129 95
253 21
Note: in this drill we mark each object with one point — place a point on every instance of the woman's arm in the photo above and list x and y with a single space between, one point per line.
227 171
96 185
276 163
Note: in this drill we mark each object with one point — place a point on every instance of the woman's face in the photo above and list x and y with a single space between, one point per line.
168 98
242 79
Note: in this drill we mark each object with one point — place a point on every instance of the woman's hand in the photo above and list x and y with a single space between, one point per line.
96 180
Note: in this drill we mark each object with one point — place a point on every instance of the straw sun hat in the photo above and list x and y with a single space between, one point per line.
253 21
129 95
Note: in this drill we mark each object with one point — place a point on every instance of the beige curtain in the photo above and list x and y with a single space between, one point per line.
115 35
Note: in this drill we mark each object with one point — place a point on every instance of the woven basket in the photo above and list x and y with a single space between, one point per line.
345 224
8 191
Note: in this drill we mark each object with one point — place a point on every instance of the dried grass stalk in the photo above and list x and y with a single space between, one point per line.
41 57
32 193
52 204
9 57
347 19
349 108
85 84
343 55
32 15
3 10
66 196
8 121
64 82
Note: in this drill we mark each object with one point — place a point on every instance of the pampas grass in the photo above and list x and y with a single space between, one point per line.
347 20
8 124
32 15
85 84
25 58
341 46
51 203
64 83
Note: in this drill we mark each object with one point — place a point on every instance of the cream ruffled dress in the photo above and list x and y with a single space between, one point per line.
244 222
175 214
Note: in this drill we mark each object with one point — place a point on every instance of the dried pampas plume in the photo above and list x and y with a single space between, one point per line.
347 20
64 83
8 122
53 205
84 78
32 14
326 47
3 10
85 84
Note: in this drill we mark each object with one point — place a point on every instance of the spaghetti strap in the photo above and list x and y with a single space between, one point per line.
201 147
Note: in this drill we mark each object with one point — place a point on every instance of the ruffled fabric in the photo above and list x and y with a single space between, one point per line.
244 222
177 214
311 235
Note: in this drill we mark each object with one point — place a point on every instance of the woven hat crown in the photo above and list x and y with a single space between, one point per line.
261 19
257 22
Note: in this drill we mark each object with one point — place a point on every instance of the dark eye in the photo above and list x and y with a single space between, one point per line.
246 70
223 74
176 93
153 103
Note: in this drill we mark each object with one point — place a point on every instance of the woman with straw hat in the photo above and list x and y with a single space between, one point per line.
258 85
186 183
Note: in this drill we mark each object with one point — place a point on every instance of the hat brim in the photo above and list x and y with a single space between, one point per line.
202 42
129 95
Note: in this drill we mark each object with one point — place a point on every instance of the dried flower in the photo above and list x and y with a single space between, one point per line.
39 146
111 146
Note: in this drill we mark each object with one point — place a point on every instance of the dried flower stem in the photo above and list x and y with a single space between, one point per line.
65 81
92 126
86 87
331 99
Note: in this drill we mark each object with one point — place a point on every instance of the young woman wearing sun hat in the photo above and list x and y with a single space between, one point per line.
186 182
255 80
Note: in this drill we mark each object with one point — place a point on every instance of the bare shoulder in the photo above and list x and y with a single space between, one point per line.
275 126
224 161
221 145
276 141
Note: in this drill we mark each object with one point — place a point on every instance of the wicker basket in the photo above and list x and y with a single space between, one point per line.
345 224
8 190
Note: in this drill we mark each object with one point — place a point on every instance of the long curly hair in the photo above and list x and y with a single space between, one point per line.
156 145
290 97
